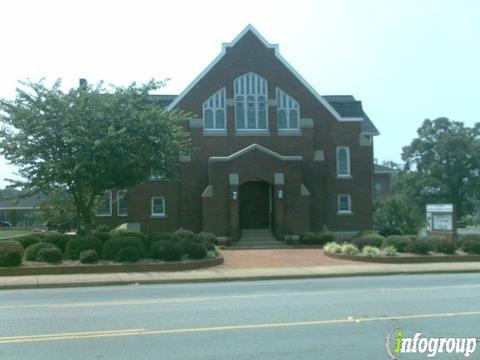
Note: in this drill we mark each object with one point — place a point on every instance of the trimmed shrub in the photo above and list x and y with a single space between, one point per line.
445 246
206 237
389 251
463 238
160 236
317 238
333 248
166 250
113 246
101 235
421 246
366 232
11 253
28 240
349 249
31 252
400 242
368 240
57 239
387 231
371 251
79 244
51 255
138 235
103 228
197 251
182 234
471 245
88 256
129 254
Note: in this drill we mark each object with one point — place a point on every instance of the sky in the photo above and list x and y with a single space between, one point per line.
405 60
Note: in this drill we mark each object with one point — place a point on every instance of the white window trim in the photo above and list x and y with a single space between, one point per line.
110 213
118 203
344 212
152 207
278 93
245 94
214 109
349 173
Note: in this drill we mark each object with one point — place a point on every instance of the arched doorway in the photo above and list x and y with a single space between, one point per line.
255 205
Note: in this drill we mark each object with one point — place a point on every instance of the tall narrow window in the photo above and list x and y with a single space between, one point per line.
214 111
344 204
288 111
104 207
343 161
158 206
122 208
251 102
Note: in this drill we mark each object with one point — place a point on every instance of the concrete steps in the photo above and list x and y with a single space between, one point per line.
258 239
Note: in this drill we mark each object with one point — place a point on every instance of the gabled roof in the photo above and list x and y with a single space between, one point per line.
18 203
252 30
257 147
382 169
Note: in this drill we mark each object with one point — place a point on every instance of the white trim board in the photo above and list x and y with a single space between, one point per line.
258 147
279 57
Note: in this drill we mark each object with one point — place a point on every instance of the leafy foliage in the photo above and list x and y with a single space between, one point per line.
400 242
317 238
11 253
166 250
57 239
374 240
371 251
421 246
51 255
89 139
206 237
445 246
31 252
471 246
113 246
129 254
397 212
79 244
88 257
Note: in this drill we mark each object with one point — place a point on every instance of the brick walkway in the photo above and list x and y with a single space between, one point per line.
276 258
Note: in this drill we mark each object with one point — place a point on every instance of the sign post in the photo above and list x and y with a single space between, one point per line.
441 220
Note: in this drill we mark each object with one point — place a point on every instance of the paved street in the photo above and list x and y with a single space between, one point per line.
336 318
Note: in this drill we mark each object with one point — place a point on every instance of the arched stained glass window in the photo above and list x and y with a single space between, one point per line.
251 102
288 111
214 111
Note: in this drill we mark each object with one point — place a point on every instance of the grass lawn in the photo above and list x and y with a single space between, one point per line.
5 234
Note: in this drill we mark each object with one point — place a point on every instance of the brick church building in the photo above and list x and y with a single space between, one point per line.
268 152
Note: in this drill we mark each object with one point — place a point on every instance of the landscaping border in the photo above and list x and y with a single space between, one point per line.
418 259
109 268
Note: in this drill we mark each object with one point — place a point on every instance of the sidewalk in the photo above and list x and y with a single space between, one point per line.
224 273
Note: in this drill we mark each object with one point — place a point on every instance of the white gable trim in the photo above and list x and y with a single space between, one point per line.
258 147
279 57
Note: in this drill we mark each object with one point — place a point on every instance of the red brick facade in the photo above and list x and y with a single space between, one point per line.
299 167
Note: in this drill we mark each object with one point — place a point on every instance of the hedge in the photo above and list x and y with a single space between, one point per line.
206 237
166 250
11 253
129 254
445 246
113 246
400 242
182 234
31 252
79 244
88 257
28 240
59 240
421 246
317 238
374 240
51 255
471 245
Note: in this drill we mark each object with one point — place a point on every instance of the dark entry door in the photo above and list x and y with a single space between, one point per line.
254 205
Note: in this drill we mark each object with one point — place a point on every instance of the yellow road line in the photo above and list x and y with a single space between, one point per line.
232 297
141 332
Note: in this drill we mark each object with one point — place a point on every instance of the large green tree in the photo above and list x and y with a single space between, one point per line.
443 164
89 139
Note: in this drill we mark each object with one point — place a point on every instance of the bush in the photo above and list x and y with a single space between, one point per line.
88 256
197 251
113 246
160 236
371 251
101 235
28 240
206 237
31 252
333 248
51 255
128 254
445 246
317 238
79 244
421 246
182 234
138 235
471 245
166 250
388 231
368 240
349 249
11 253
466 237
366 232
389 251
57 239
400 242
103 228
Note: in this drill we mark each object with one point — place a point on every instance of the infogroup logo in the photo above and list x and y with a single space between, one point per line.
397 343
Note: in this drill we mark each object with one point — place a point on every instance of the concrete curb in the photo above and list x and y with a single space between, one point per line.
41 282
417 259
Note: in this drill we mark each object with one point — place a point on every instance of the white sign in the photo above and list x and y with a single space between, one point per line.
442 222
435 208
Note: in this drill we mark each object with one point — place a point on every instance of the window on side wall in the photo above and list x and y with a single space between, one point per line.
343 161
158 206
104 207
214 111
344 205
288 111
122 207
